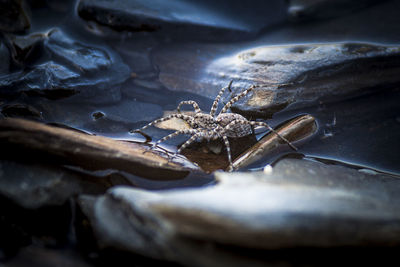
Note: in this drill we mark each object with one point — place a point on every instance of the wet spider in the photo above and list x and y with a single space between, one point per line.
212 126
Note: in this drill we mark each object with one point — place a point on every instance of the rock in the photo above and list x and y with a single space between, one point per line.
305 10
289 74
208 19
20 110
25 48
5 62
92 74
299 204
44 256
49 80
90 152
33 186
300 73
14 16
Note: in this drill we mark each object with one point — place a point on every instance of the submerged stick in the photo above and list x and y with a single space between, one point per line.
294 130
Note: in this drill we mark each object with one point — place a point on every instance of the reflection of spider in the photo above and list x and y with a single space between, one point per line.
212 126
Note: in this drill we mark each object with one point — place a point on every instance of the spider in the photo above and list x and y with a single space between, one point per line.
213 126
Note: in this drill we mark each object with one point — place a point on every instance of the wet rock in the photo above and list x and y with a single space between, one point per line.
32 186
23 48
288 74
14 16
90 152
5 62
20 110
49 80
93 74
208 19
295 74
303 10
294 130
298 204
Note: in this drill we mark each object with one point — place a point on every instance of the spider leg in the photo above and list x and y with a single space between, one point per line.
172 135
260 123
236 98
189 102
216 101
228 150
179 116
188 142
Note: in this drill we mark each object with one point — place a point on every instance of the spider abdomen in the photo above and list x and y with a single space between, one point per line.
236 129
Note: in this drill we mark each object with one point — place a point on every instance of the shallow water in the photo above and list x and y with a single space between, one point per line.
362 130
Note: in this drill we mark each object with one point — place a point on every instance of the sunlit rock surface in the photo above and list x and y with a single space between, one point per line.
287 74
298 203
210 19
70 68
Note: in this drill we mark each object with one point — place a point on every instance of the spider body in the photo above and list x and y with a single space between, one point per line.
212 126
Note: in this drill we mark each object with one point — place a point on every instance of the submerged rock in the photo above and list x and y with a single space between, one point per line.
208 19
93 74
299 203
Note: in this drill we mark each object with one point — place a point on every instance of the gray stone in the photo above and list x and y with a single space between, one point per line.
188 19
299 203
5 62
288 74
304 10
34 186
92 74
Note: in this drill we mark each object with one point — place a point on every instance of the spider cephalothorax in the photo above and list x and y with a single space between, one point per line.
212 126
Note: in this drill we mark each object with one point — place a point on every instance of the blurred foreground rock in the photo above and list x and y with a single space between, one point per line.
87 151
299 204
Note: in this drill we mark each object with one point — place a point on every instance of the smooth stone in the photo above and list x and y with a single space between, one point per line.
33 186
14 16
287 75
88 151
49 80
296 74
299 204
208 19
306 10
